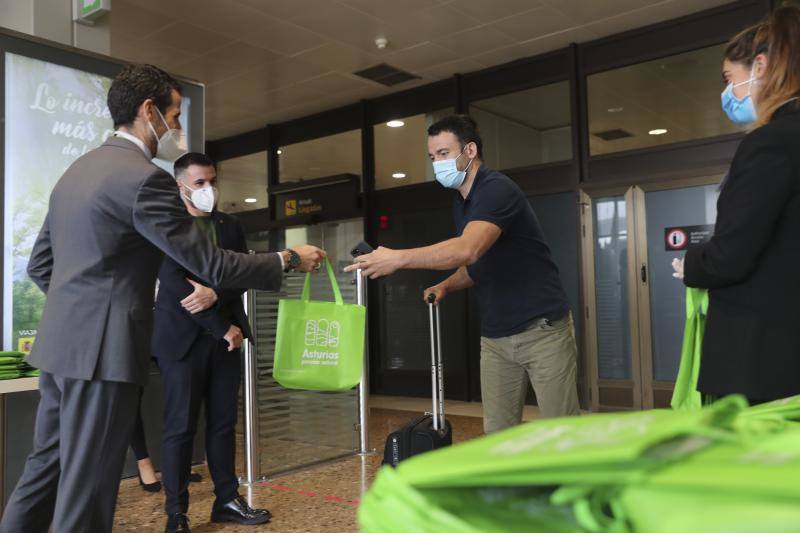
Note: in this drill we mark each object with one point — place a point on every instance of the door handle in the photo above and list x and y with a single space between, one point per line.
644 273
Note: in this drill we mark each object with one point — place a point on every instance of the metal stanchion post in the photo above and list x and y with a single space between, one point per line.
251 455
363 386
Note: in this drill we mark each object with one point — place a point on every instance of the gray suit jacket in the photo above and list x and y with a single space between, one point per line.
111 215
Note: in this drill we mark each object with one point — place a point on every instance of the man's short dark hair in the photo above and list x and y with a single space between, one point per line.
463 127
133 85
192 158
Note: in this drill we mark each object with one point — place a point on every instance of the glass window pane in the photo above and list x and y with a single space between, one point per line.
630 107
242 183
611 280
525 128
401 150
320 158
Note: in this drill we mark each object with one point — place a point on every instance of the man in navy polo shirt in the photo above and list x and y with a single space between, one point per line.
526 324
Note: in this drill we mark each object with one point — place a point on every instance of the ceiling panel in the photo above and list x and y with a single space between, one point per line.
149 52
226 62
279 36
339 57
389 11
475 41
421 57
492 11
278 75
585 11
342 23
334 83
284 9
129 21
437 21
189 38
535 23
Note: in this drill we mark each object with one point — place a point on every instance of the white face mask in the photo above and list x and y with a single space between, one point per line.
204 198
172 144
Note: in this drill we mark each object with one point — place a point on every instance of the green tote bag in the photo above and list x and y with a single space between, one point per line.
686 397
319 345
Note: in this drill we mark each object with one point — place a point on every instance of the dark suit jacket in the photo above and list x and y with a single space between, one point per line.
175 329
112 216
752 268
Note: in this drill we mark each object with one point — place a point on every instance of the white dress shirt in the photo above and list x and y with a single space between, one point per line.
135 140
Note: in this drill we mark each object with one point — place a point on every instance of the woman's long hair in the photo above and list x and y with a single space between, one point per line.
780 37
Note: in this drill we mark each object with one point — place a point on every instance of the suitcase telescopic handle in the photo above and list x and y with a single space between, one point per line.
437 380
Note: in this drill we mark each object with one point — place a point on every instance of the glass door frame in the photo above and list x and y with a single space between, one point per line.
642 385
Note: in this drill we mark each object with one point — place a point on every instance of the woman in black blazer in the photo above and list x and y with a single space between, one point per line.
752 264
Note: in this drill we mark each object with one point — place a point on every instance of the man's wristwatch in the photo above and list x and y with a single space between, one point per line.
292 260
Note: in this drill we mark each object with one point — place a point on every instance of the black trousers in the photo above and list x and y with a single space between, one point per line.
208 375
72 476
138 439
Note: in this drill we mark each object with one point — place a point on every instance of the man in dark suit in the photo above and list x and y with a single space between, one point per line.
196 338
112 216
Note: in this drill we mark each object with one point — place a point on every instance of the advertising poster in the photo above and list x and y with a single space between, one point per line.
53 115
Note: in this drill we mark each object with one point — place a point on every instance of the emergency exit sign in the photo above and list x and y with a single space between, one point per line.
88 11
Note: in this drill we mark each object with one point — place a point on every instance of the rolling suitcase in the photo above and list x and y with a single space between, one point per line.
432 430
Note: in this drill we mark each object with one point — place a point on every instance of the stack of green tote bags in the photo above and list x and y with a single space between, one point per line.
725 467
13 366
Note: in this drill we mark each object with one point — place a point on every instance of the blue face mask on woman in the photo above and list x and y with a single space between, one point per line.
741 111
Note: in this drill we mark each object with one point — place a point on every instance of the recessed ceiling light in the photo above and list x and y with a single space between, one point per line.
398 175
618 109
395 123
659 131
250 200
280 152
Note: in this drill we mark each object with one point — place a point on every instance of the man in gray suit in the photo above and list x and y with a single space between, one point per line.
112 216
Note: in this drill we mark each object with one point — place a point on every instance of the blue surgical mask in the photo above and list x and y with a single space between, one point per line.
447 172
741 111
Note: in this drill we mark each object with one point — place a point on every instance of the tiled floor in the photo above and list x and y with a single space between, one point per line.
321 499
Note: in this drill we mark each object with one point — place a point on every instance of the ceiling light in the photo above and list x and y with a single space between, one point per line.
618 109
280 152
398 175
395 123
659 131
250 200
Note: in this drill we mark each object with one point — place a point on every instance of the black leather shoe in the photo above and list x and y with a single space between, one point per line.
237 510
177 523
150 487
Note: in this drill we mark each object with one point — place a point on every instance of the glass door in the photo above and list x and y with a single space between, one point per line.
297 427
634 308
608 231
669 220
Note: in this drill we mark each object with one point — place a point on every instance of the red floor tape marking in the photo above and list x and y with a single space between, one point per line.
310 494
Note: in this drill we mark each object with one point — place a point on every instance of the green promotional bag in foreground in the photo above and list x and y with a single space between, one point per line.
319 345
723 468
